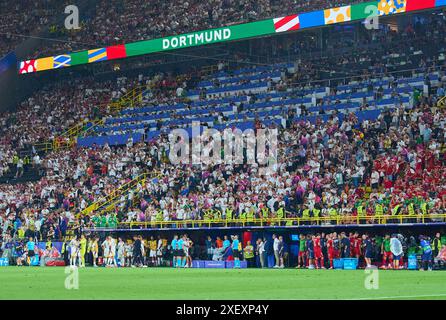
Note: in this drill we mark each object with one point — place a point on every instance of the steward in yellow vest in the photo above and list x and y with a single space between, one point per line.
436 246
208 214
281 213
379 211
396 210
26 160
411 209
265 212
360 211
424 208
248 252
250 215
217 215
228 214
332 212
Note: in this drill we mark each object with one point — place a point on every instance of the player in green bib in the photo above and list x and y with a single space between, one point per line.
302 250
103 223
96 221
387 254
112 221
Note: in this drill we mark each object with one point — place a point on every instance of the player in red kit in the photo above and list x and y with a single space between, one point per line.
351 237
318 256
330 249
356 246
336 246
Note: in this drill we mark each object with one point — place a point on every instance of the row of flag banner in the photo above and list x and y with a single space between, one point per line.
237 32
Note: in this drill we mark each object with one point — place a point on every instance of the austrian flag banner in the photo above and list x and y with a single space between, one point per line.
287 23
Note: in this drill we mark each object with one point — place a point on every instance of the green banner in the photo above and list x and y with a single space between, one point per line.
79 58
365 10
241 31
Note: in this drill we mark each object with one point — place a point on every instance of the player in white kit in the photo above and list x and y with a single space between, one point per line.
113 252
121 252
106 251
186 247
128 254
74 251
159 251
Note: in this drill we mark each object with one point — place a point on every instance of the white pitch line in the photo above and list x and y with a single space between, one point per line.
402 297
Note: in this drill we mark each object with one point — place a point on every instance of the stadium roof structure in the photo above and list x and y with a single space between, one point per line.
255 29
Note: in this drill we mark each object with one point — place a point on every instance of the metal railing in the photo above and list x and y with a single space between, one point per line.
43 146
441 102
131 99
208 70
110 199
67 139
94 124
287 222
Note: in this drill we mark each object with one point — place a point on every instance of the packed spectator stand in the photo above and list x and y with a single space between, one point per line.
361 146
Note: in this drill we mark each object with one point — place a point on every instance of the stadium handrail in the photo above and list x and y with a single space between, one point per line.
118 192
340 220
67 139
131 99
441 102
75 129
108 202
94 124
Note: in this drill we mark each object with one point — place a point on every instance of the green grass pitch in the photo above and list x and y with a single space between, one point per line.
218 284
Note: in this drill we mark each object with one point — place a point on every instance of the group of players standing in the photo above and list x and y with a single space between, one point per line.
130 253
181 251
317 251
114 252
314 249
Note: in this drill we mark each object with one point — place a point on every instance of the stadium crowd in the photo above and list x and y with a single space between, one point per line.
22 19
395 171
392 164
51 111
